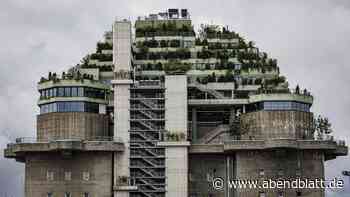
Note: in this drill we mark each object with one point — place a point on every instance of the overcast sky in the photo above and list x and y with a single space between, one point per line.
310 39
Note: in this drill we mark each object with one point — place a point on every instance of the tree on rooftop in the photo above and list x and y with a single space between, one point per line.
251 44
322 126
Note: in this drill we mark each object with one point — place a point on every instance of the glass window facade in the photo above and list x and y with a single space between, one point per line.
286 105
71 106
279 106
73 92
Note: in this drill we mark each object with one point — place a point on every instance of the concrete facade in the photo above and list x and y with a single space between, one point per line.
72 125
279 164
121 85
176 122
203 168
277 124
176 103
177 166
78 174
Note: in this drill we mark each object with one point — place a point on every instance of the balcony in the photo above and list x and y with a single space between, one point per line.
24 146
330 147
125 183
303 98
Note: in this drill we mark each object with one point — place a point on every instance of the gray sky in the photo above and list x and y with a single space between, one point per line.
310 39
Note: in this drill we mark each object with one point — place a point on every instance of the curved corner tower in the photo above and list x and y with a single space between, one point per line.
72 154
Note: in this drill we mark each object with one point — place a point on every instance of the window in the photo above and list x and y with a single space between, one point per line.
280 172
50 92
60 106
49 194
86 194
86 176
60 92
70 106
298 172
80 91
92 107
286 105
261 172
298 193
67 194
87 92
54 92
262 194
77 106
67 176
67 92
280 194
49 175
74 91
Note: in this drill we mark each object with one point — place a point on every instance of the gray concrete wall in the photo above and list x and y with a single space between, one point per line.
72 125
122 45
121 84
176 121
98 166
203 168
176 171
121 130
277 124
279 164
176 103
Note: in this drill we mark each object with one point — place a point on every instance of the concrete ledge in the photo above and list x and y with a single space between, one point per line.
281 97
19 150
59 99
173 143
73 82
200 102
280 143
206 148
331 148
125 188
122 81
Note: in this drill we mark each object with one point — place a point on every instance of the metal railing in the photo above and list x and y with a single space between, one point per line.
304 93
31 140
204 88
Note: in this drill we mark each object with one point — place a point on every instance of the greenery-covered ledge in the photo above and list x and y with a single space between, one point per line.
174 138
165 29
71 78
176 67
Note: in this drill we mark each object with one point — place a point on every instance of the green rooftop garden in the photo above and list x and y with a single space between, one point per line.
72 75
103 46
169 28
101 57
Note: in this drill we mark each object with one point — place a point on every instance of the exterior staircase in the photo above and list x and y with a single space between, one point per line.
214 133
204 88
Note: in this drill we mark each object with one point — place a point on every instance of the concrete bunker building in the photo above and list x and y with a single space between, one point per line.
162 110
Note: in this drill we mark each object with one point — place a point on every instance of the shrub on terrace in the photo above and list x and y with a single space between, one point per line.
164 43
174 66
101 57
170 28
103 46
175 43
